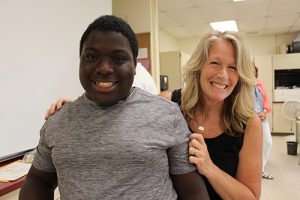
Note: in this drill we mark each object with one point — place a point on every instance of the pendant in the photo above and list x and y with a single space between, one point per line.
201 128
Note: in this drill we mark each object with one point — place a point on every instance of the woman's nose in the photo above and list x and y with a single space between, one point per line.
223 71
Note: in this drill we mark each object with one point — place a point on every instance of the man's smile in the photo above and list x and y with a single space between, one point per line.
105 84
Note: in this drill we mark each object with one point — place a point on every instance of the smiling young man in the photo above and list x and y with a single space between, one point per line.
115 141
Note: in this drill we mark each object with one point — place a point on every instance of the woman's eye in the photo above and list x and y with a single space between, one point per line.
214 63
232 68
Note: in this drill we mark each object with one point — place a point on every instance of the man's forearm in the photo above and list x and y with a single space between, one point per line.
190 186
38 185
35 189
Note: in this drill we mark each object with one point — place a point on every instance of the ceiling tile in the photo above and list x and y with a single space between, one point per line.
280 21
165 5
165 22
284 7
270 31
207 2
218 12
185 17
199 30
249 9
177 32
249 25
297 22
254 17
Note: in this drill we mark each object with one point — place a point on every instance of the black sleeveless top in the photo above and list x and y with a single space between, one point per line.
223 150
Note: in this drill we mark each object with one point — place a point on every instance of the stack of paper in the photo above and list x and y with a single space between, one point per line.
14 171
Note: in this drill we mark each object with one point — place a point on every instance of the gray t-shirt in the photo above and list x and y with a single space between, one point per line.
125 151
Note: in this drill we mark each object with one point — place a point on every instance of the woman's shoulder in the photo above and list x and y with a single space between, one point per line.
254 128
254 120
167 94
171 95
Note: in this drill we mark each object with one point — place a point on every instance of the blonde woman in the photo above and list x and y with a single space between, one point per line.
217 103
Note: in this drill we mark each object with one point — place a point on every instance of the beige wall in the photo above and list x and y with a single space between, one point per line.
138 16
167 42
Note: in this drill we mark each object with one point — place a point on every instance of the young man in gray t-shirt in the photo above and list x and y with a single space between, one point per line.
115 141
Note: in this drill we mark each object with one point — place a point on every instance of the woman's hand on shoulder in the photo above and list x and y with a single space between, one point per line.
199 155
56 106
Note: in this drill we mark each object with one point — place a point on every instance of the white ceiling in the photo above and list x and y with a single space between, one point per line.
191 18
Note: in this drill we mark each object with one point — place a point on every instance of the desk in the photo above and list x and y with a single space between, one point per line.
12 185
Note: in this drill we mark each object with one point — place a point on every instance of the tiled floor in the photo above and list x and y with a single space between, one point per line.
286 171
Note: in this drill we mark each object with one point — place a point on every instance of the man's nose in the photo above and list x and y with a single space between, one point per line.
104 66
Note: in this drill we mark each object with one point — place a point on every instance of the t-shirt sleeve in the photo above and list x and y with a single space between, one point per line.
178 154
42 159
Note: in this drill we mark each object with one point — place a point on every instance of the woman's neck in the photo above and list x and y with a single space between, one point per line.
208 121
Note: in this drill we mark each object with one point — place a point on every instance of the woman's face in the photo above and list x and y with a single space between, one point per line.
219 74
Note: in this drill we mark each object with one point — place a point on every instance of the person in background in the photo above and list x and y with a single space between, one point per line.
113 142
217 103
144 80
262 107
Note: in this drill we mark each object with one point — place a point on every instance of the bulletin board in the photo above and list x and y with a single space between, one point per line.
144 56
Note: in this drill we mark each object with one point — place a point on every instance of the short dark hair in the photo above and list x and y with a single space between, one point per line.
111 23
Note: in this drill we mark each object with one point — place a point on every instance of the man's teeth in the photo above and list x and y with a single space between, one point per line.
219 86
104 84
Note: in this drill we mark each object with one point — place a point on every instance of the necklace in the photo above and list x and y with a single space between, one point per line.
201 128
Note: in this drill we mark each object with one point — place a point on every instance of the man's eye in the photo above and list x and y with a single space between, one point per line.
120 59
90 58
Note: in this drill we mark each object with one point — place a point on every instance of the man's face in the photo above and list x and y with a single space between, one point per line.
107 67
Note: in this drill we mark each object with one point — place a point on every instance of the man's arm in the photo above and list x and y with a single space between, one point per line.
38 185
190 186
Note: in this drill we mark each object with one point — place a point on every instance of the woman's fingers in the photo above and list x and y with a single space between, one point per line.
51 110
56 106
198 153
47 115
192 151
199 138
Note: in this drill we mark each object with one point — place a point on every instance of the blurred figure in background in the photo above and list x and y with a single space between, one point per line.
144 80
262 107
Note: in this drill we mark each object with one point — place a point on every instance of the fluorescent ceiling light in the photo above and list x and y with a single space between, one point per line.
237 0
224 26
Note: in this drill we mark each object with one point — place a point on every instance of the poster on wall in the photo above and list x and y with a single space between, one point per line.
143 53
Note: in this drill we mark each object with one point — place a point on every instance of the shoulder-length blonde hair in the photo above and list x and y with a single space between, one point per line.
238 106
